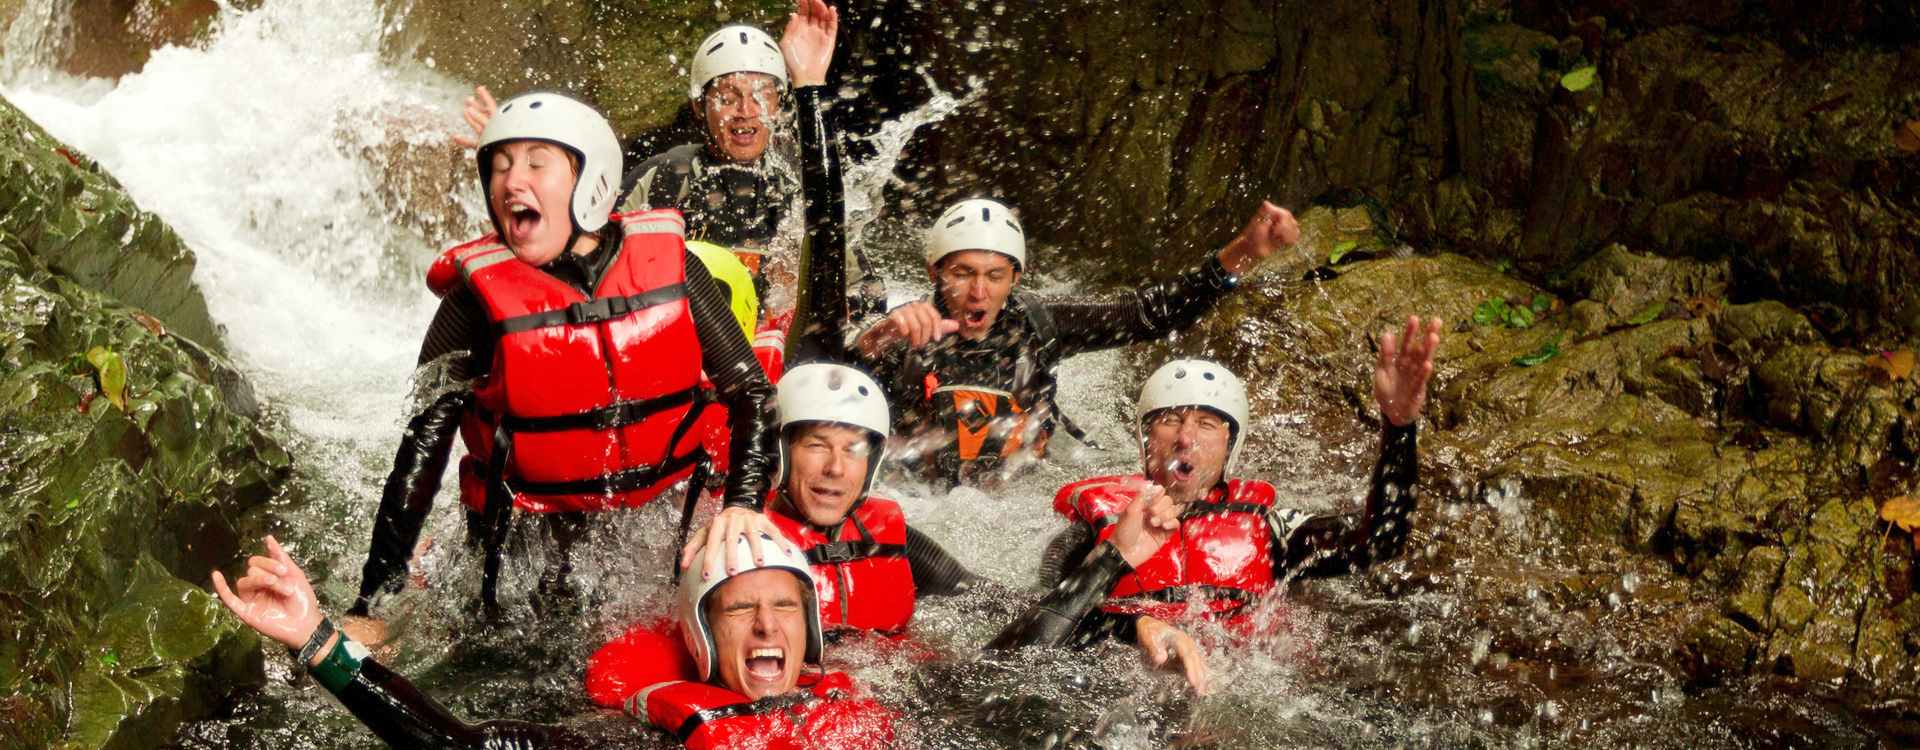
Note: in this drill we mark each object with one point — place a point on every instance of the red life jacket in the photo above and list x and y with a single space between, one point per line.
648 673
1221 558
862 581
600 395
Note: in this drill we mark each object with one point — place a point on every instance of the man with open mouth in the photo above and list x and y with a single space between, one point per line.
970 369
1234 544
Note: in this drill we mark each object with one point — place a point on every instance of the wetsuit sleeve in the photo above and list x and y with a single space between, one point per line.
1064 553
935 573
1055 618
1326 546
1146 314
408 494
742 386
402 716
820 326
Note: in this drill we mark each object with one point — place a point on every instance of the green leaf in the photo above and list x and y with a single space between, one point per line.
1546 351
1519 317
109 659
73 504
1490 312
113 374
1341 250
1580 79
1541 304
1503 265
1648 314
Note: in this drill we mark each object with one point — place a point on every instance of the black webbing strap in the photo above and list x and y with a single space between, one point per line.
627 480
606 417
496 514
695 484
765 705
841 552
594 310
1180 594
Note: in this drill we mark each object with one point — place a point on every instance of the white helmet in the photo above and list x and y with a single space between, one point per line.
977 224
694 590
735 49
569 124
1195 382
823 392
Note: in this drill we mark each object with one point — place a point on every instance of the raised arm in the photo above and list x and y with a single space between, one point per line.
1162 308
1322 546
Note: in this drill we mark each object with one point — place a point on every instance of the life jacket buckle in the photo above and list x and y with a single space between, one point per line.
837 552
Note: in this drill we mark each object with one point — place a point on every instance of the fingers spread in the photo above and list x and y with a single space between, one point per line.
226 594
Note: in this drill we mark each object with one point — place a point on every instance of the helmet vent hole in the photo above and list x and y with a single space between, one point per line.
743 37
1178 374
1207 375
1016 227
533 105
862 390
716 48
956 221
507 108
986 214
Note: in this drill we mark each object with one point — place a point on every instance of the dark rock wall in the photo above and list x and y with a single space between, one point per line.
1759 132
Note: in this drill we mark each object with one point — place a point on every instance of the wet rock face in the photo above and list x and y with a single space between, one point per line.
1729 440
1761 133
629 56
111 38
131 465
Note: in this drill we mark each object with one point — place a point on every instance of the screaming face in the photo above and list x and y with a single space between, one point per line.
759 622
974 285
1187 450
826 468
530 195
738 109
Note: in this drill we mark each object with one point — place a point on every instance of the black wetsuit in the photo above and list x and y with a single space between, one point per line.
725 203
1028 339
461 324
1312 547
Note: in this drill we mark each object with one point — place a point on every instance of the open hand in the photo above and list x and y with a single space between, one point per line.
479 109
1270 229
1406 362
807 44
1145 525
274 597
917 323
1165 645
718 537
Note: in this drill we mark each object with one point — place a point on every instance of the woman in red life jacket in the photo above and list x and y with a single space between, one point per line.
1233 544
589 334
736 676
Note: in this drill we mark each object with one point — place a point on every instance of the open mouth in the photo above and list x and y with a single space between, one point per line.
766 663
522 218
1181 470
975 317
743 135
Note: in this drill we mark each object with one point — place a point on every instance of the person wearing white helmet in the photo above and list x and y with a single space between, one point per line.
969 370
740 668
869 565
734 198
1234 543
572 342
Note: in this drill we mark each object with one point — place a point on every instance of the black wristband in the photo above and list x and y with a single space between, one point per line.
305 655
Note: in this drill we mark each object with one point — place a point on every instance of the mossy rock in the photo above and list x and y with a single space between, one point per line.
77 221
132 463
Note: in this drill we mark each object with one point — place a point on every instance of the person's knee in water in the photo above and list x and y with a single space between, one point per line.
971 368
